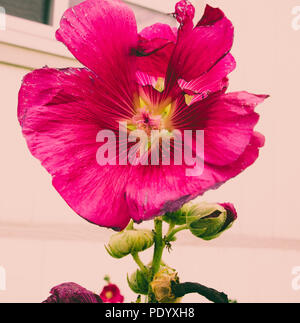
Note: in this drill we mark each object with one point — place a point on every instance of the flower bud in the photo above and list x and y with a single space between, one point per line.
208 221
129 241
138 282
162 285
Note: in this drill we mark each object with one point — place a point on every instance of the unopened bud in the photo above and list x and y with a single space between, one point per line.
208 221
138 282
129 241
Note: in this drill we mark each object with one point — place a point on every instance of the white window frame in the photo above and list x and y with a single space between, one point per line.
34 35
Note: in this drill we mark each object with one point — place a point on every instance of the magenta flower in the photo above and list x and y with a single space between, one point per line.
111 294
161 78
72 293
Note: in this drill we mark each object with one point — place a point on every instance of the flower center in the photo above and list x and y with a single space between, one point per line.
146 121
109 295
150 117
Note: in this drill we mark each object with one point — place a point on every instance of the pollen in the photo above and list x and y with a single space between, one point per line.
109 295
150 116
188 99
160 84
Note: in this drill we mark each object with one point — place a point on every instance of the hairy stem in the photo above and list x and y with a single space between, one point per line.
171 234
139 262
171 227
158 246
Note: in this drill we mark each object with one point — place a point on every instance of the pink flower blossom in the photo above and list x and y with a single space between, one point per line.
179 75
111 294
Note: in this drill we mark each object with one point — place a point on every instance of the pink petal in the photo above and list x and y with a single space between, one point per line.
145 79
199 50
212 81
228 121
102 35
164 189
158 31
217 86
61 113
249 156
211 16
155 47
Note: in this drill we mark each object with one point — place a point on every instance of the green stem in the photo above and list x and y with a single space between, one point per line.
158 246
171 227
171 234
139 262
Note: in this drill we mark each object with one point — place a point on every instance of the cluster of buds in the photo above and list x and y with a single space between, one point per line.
204 220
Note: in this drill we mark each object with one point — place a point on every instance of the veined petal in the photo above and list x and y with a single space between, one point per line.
102 35
247 158
145 79
61 113
228 121
49 86
212 81
164 189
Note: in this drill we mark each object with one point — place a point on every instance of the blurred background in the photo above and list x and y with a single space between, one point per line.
43 243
